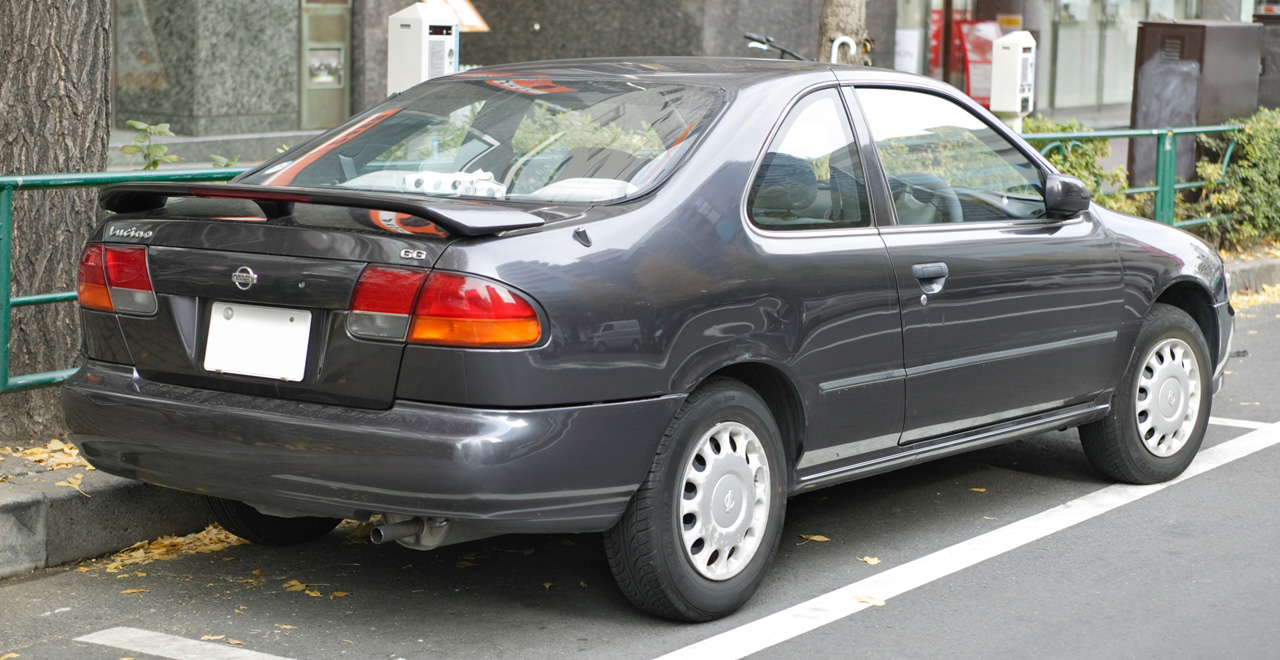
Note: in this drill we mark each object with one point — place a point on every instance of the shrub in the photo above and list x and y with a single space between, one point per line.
1248 188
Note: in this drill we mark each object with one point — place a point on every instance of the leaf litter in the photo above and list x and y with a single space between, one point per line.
817 538
212 539
53 455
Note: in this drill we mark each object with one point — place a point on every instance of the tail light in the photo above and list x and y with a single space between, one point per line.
115 278
455 310
91 280
383 302
447 310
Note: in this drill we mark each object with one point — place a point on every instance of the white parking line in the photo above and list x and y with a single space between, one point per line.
755 636
1239 423
169 646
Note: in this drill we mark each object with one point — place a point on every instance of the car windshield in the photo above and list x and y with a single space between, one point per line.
584 141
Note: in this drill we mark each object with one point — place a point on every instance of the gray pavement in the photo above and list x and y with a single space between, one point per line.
1185 572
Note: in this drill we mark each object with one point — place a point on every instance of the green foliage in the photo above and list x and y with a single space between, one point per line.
142 145
1247 188
1081 159
577 129
223 161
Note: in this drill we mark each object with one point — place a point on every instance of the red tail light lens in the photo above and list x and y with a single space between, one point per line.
383 301
129 280
115 279
91 280
457 310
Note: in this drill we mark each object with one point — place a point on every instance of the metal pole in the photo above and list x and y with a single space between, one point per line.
6 254
1166 163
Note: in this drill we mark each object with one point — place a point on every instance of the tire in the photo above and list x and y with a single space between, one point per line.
661 552
247 523
1159 413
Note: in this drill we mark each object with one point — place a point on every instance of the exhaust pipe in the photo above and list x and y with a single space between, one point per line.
396 531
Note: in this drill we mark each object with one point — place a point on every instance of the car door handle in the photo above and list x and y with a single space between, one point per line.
930 271
931 276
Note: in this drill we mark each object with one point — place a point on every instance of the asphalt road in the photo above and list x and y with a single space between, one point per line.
1186 571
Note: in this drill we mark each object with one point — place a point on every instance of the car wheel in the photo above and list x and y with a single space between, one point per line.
256 527
1159 414
699 534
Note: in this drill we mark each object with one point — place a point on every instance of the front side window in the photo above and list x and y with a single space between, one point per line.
810 177
562 141
944 164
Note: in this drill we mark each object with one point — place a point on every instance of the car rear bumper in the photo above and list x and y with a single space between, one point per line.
567 469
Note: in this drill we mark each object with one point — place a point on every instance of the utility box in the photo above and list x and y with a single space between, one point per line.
1269 79
1013 77
1190 73
422 43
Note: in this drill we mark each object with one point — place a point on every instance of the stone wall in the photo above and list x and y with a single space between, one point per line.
525 30
208 67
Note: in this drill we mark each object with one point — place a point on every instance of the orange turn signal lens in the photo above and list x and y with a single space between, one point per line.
497 333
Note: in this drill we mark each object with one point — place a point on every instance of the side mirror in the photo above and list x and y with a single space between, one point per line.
1064 196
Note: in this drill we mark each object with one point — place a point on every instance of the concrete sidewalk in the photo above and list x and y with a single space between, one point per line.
42 524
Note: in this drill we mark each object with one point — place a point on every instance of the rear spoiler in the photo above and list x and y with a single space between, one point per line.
459 217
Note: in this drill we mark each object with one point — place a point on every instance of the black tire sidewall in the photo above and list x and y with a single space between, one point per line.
1166 323
711 598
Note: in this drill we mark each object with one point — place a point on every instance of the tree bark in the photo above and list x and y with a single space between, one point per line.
846 18
55 85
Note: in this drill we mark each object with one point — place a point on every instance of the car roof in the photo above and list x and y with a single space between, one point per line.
729 72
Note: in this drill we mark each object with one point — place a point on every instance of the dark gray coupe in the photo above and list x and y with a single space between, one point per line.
645 297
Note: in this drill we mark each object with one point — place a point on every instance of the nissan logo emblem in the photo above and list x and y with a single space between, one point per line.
244 277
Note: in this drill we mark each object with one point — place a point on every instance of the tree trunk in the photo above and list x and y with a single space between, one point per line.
847 18
55 84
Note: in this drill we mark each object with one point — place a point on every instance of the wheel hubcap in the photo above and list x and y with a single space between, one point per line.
1167 400
724 500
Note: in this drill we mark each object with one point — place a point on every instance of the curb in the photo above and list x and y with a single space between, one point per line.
45 525
1254 274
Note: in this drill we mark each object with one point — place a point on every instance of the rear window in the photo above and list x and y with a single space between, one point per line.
560 141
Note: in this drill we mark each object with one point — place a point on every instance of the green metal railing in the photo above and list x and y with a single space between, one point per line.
8 184
1166 185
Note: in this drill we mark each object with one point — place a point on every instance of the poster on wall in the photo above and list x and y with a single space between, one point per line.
976 38
906 49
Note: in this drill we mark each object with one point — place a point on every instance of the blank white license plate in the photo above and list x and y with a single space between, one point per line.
258 341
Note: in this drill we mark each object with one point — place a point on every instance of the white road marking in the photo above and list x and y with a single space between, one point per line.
169 646
755 636
1239 423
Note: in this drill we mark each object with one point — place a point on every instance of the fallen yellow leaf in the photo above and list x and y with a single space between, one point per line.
978 490
339 594
870 560
547 585
135 591
85 569
212 638
313 592
140 574
72 482
870 600
285 626
813 537
294 585
988 518
234 642
582 583
9 656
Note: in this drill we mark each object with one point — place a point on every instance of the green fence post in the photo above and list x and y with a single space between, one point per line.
1166 161
6 252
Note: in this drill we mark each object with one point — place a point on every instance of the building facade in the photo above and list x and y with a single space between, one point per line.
226 67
